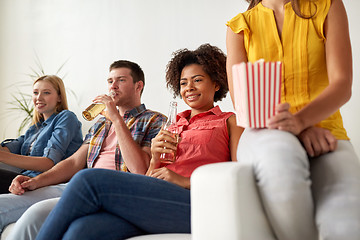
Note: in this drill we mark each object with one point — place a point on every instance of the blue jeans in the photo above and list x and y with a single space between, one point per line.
106 204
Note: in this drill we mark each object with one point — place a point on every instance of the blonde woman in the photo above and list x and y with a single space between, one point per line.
54 135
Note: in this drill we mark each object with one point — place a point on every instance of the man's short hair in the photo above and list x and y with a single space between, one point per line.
136 72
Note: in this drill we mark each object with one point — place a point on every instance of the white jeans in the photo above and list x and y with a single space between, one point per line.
304 197
13 206
28 226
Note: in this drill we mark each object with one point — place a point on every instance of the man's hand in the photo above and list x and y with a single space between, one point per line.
111 110
317 141
21 183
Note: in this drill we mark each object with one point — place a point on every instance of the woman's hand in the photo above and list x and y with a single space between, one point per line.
285 120
164 142
317 141
170 176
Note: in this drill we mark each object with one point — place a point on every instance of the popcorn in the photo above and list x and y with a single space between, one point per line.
257 90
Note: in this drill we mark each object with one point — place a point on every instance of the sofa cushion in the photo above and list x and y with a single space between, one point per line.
168 236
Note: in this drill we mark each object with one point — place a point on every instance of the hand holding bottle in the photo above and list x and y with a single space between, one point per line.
163 144
96 108
172 129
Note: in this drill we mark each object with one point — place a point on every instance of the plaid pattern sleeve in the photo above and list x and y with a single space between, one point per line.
94 138
94 129
153 126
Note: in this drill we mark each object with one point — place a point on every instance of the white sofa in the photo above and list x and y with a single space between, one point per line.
219 193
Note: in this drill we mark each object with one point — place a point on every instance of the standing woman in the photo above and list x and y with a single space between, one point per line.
54 135
305 166
125 205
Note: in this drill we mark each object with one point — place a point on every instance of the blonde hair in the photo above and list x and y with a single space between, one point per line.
294 3
59 86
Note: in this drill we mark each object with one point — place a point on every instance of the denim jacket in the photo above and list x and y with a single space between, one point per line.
56 138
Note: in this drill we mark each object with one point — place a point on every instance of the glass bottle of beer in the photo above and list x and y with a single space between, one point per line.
171 125
95 109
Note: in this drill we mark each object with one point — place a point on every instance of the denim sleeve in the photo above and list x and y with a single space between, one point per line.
64 130
14 146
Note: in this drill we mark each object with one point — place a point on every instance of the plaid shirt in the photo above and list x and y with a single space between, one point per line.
143 124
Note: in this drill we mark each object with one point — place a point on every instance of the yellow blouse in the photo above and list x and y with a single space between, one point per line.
301 48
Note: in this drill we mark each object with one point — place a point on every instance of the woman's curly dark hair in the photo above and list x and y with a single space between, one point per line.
212 60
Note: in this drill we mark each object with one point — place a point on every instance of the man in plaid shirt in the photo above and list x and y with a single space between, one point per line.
120 141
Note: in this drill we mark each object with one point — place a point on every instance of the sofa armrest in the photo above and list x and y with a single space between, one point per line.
225 204
6 231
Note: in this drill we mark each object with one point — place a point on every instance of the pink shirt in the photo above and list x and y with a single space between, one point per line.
204 140
106 155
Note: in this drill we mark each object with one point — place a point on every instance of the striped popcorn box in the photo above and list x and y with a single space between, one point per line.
257 90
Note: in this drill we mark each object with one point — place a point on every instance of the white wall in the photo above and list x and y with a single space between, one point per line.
91 34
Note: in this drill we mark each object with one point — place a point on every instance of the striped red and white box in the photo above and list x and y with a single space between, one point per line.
257 90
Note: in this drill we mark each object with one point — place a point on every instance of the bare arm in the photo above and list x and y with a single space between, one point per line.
164 142
137 159
339 68
236 53
5 149
40 164
317 141
234 134
61 172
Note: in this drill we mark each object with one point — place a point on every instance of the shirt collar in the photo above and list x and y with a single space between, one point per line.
135 111
49 120
215 110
